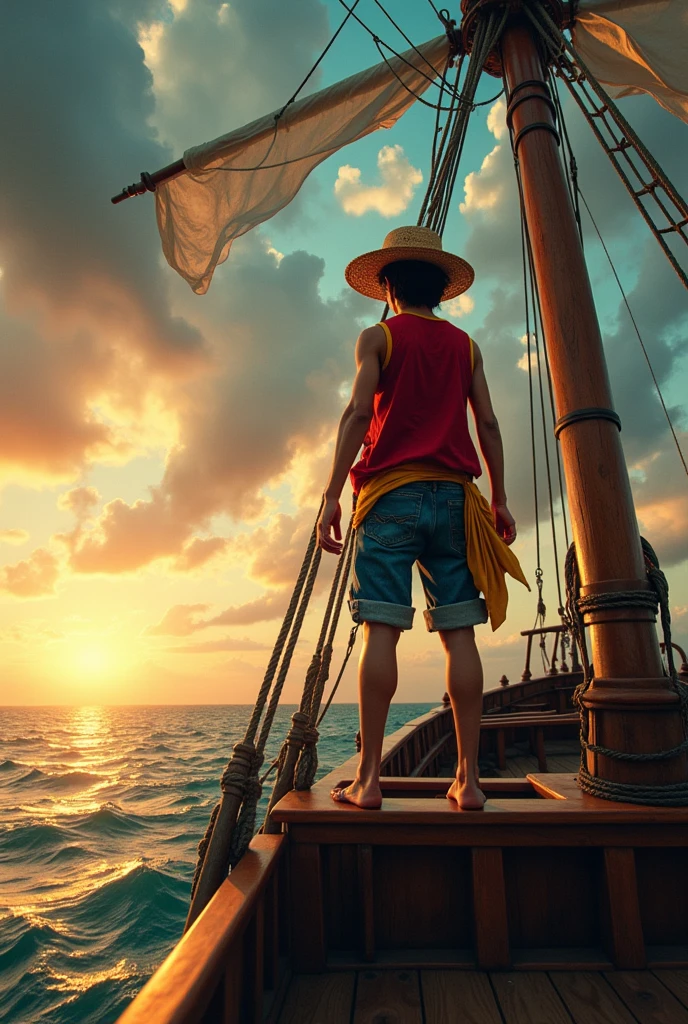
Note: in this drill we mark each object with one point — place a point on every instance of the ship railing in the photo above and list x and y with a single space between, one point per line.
232 964
558 633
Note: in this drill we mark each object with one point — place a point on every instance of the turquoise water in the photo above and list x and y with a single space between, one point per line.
101 809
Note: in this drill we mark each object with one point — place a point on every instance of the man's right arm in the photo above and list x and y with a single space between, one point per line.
490 440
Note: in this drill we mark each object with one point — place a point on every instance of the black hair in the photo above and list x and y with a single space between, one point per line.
415 282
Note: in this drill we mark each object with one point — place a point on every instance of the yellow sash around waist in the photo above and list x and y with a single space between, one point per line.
489 558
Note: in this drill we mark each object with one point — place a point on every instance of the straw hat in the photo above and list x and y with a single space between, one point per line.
409 243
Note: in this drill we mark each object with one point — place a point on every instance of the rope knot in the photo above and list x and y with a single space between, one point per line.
241 763
310 735
299 724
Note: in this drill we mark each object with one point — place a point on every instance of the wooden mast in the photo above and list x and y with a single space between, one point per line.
631 705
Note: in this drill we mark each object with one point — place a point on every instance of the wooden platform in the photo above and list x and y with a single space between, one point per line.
544 878
473 997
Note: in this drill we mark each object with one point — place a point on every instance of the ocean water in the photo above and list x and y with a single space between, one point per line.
101 810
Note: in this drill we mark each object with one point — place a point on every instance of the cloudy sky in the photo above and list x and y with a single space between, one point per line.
162 453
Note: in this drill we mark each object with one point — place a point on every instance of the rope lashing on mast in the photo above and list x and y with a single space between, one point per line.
670 794
575 73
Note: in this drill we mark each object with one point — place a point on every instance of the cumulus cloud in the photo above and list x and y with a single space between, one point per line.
399 179
180 620
198 552
262 609
216 66
15 536
80 501
86 327
226 643
101 357
35 576
662 502
462 305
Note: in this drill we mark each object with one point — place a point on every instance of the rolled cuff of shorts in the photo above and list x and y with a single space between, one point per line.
399 615
456 616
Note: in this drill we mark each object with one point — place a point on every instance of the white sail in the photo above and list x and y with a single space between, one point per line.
201 212
634 46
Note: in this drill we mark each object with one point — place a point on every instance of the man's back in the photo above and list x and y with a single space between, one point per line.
420 408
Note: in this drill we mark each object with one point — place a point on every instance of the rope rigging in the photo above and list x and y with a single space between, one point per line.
535 353
232 822
639 336
627 153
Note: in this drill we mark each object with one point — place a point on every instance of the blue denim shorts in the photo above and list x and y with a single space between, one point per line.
420 522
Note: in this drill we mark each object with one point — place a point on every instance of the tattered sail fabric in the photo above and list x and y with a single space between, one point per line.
201 212
634 46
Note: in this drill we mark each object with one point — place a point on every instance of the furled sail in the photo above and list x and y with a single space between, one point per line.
634 46
201 212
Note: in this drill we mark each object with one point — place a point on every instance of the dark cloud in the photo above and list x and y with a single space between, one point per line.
219 65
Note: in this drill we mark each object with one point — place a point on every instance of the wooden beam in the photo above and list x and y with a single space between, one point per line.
626 930
308 951
489 909
366 897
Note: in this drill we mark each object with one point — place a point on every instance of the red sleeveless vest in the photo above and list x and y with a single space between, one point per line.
420 409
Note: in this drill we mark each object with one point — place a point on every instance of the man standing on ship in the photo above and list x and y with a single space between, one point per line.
415 499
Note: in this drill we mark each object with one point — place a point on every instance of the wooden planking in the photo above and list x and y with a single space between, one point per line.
647 998
589 998
543 910
307 918
458 997
625 928
366 899
663 894
319 999
529 998
422 897
342 912
489 909
387 996
676 982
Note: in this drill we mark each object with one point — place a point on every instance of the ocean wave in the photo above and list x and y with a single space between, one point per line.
12 766
108 820
132 910
32 838
25 741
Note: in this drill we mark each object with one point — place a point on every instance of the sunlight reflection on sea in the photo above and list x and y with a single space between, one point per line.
101 810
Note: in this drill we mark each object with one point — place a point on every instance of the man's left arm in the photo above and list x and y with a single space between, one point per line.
353 428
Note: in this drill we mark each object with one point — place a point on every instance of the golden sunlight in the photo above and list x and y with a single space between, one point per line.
93 657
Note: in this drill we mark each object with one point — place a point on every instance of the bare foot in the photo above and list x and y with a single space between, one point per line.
369 797
468 795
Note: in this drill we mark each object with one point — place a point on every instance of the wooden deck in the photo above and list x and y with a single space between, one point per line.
563 756
476 997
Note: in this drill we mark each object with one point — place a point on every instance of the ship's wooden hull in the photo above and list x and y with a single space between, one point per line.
545 879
